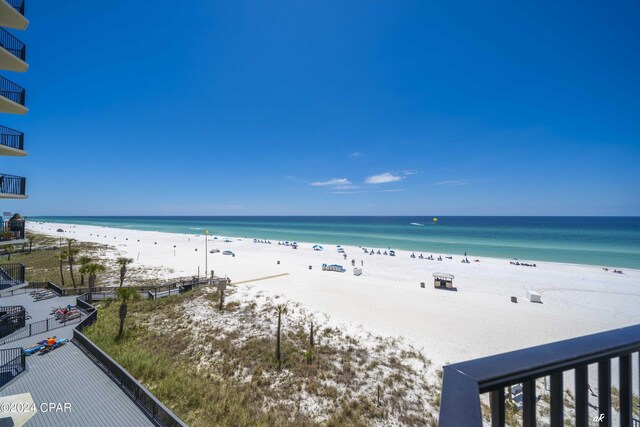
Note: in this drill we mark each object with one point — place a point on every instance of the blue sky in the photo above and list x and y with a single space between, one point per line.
330 108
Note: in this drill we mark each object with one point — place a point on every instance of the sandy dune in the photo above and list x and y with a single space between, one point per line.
477 320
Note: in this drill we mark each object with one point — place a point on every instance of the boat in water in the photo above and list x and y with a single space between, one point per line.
417 223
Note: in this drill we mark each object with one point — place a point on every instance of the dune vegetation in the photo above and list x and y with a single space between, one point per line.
220 367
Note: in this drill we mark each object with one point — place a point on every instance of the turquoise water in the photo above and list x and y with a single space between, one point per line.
606 241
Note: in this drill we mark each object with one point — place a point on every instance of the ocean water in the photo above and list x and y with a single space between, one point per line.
606 241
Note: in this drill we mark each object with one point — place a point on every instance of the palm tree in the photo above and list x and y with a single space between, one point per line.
93 269
32 240
8 249
71 253
280 309
84 260
63 257
123 262
125 295
311 341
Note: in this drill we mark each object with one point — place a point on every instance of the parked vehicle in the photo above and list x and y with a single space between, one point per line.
333 267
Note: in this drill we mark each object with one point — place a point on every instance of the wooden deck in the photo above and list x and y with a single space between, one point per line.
67 375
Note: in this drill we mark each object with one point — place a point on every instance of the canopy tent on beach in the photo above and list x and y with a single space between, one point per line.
443 280
317 248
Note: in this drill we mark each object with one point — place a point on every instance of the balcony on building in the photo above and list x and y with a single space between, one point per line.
590 382
12 276
12 232
11 142
12 187
12 97
12 14
13 53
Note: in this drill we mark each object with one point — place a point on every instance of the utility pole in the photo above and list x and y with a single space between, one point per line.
206 253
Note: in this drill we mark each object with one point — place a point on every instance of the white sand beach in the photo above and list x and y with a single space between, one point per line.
478 319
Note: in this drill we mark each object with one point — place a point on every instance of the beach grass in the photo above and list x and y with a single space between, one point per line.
42 262
43 265
225 383
157 361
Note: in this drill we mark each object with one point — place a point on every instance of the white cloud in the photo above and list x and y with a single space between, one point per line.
397 190
383 178
334 181
355 154
349 192
453 182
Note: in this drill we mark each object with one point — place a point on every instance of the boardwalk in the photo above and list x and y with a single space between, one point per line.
67 375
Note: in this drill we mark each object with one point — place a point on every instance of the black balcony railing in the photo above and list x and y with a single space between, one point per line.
40 327
11 138
17 5
11 230
464 382
12 363
143 397
11 319
11 184
12 44
12 91
11 275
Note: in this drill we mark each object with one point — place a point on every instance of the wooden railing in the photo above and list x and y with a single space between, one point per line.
180 285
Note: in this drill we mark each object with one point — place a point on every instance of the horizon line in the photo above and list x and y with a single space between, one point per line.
337 216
